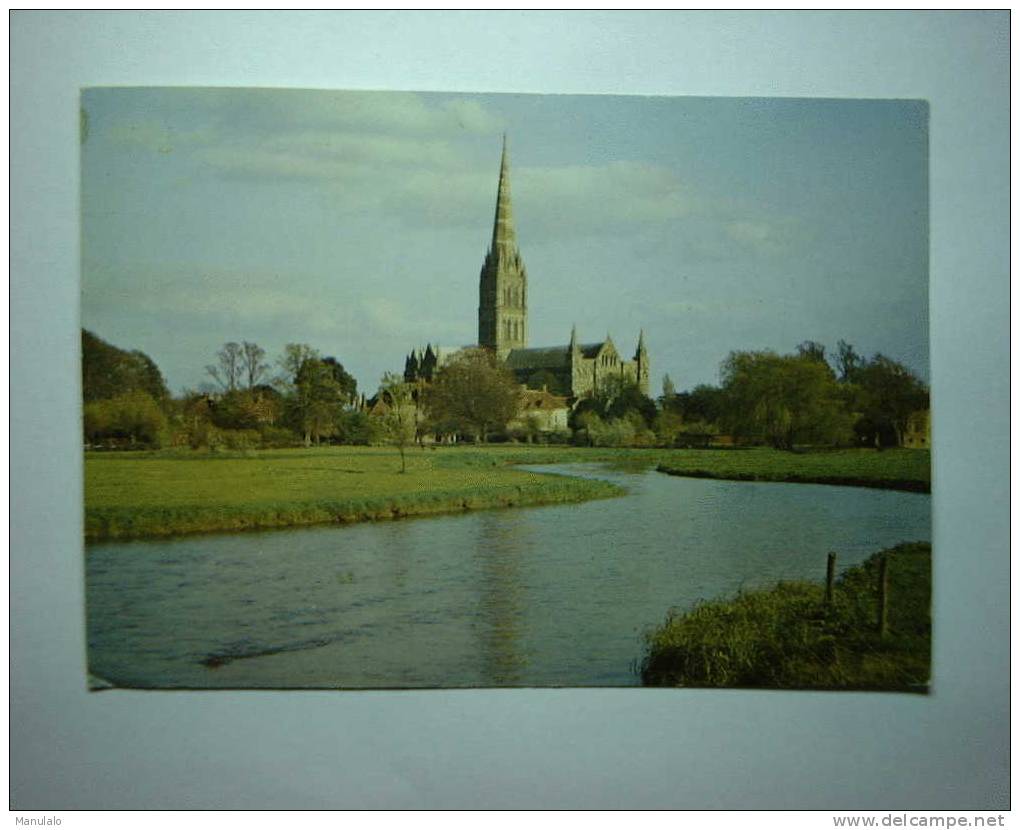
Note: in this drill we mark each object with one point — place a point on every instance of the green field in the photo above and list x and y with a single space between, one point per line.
790 638
889 469
165 493
155 494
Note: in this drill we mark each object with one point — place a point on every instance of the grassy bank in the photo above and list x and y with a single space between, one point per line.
888 469
173 492
157 494
788 637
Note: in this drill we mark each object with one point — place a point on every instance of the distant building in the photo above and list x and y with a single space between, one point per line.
543 411
572 371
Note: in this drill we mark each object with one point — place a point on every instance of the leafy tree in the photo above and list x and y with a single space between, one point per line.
313 398
132 418
703 404
348 385
668 426
109 372
247 408
229 369
888 393
401 421
784 400
473 393
354 427
578 419
627 398
316 401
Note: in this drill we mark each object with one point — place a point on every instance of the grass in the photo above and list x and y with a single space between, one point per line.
788 637
158 494
889 469
138 494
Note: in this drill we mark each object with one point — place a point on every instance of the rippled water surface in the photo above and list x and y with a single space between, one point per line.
548 596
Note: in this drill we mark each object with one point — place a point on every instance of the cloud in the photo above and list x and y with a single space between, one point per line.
155 135
399 113
226 117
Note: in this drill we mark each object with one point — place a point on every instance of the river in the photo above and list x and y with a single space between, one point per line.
545 596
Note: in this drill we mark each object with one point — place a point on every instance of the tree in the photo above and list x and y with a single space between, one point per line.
251 363
229 369
290 362
703 404
812 350
316 401
668 387
473 393
133 418
847 361
356 427
626 398
400 423
348 385
109 372
888 394
246 408
784 400
668 426
315 391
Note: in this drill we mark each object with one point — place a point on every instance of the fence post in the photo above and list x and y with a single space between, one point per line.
830 577
883 596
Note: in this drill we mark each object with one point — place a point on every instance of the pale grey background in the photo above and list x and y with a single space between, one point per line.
553 748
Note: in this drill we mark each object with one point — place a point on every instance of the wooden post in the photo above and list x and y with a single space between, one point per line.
883 596
830 577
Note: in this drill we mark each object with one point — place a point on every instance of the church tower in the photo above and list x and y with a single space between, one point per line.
503 289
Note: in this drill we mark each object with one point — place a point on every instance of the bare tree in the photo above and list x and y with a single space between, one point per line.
252 364
847 360
229 371
290 362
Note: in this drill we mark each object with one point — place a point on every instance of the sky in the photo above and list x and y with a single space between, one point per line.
358 222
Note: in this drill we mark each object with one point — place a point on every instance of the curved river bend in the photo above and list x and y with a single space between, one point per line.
547 596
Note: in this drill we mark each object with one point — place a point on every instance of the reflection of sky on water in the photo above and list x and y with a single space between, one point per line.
556 595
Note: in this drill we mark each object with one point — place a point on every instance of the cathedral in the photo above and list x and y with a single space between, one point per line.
574 370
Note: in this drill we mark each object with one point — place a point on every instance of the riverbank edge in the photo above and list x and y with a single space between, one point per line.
792 637
903 484
124 524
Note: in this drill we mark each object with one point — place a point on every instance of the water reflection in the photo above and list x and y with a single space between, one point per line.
503 544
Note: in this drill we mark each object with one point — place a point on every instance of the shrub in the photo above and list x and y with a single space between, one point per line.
133 418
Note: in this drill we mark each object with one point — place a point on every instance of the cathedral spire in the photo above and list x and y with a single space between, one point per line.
503 282
504 238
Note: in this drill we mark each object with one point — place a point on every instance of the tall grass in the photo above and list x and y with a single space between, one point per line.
788 637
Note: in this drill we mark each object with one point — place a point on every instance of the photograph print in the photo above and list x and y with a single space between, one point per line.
432 390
